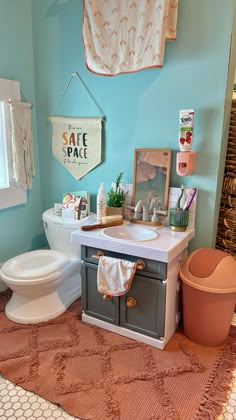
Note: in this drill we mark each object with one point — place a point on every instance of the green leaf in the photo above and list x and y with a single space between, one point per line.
116 198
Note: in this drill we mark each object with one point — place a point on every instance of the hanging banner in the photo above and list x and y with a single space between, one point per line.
76 143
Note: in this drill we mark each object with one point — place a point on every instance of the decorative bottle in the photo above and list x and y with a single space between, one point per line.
101 203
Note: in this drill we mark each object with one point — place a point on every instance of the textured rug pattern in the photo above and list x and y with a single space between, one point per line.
97 375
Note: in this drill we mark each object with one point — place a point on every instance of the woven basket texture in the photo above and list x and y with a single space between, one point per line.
226 233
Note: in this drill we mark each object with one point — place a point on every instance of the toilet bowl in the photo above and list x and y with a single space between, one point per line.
46 281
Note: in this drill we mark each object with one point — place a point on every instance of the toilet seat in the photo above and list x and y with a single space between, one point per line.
35 266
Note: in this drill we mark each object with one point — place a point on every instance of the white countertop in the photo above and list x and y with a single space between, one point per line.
165 247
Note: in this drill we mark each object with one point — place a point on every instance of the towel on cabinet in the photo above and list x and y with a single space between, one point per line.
115 275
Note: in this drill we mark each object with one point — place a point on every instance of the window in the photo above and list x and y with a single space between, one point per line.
10 194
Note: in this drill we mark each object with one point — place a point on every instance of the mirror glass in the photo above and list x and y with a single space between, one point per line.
151 176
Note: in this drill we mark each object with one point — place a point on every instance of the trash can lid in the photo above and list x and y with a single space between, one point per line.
210 270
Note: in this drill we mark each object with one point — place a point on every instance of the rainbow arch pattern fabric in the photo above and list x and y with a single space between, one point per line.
122 36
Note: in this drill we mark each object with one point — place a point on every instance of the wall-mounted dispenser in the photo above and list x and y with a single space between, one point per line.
186 160
185 163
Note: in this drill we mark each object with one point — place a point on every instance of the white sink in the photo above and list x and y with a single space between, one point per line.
130 233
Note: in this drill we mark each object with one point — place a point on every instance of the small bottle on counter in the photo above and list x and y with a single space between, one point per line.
101 203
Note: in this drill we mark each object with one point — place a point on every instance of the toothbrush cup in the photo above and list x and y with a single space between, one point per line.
178 219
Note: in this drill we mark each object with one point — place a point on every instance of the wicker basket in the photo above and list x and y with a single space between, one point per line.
226 233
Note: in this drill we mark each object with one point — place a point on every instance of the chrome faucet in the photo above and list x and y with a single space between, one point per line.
146 217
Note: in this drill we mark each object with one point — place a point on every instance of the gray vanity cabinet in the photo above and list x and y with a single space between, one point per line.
92 301
141 309
148 315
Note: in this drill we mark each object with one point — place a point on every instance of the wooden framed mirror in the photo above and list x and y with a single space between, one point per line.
151 176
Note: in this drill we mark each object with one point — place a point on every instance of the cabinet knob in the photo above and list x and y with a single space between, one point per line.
107 297
141 264
131 302
98 255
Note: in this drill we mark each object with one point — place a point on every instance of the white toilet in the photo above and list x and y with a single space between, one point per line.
47 281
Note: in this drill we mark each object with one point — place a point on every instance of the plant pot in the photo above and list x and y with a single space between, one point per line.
114 211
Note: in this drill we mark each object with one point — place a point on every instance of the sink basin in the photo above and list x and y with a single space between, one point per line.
130 233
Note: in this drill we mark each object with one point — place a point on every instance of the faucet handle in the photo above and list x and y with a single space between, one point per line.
138 210
162 212
139 206
155 217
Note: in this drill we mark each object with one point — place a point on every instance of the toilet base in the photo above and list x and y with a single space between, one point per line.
35 309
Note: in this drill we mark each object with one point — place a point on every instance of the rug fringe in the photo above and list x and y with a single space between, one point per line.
219 382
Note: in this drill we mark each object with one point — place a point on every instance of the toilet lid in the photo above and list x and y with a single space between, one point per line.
35 264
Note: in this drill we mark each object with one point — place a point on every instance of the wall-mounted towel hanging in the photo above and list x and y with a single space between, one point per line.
76 142
123 36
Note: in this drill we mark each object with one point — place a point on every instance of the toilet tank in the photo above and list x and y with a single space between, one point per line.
58 232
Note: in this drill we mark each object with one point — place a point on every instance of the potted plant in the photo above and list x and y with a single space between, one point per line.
116 198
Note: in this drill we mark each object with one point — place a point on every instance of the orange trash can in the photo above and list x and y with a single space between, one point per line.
209 295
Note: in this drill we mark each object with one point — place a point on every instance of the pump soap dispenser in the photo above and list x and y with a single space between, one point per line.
101 203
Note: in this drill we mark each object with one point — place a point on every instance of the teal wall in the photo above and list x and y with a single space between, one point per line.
141 109
20 226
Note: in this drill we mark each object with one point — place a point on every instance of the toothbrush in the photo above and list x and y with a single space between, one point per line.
180 197
190 198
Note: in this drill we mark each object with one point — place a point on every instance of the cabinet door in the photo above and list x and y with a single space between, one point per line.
148 315
93 303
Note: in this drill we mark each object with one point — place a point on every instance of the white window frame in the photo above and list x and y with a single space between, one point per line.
12 195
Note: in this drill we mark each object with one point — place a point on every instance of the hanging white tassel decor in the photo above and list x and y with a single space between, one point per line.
22 144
